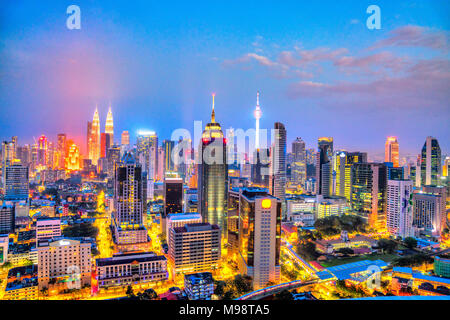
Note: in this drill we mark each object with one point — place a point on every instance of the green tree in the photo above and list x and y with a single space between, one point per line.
308 251
388 246
410 242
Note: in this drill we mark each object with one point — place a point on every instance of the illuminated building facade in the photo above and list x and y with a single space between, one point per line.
277 181
61 149
168 146
42 151
7 219
131 268
173 195
368 193
94 138
112 156
259 236
17 182
391 151
427 213
105 144
22 283
233 221
47 228
213 175
194 247
73 158
324 166
331 206
430 166
128 224
199 286
342 165
147 152
179 220
109 126
59 260
125 138
399 208
299 165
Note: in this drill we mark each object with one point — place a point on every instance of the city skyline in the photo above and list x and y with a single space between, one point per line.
238 151
317 85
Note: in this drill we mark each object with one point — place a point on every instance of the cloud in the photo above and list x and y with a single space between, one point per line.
301 57
415 36
425 84
246 58
373 62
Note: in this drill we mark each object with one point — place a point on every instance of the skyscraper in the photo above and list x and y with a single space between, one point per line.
94 151
391 151
261 168
259 237
173 195
323 166
168 146
128 217
299 164
42 151
368 193
73 161
62 149
16 182
125 138
7 219
430 167
147 152
109 126
399 212
213 174
278 165
427 213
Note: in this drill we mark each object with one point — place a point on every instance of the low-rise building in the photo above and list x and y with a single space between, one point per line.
405 280
126 269
442 267
199 286
358 241
22 283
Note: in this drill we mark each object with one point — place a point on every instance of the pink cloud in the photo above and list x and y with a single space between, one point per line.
415 36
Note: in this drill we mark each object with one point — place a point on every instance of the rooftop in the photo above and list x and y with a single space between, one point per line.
129 258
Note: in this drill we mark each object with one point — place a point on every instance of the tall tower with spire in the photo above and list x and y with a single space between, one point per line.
109 126
213 174
94 151
258 114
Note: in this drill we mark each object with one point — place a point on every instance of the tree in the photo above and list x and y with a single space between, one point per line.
219 287
283 295
243 284
345 251
308 251
130 292
410 242
387 245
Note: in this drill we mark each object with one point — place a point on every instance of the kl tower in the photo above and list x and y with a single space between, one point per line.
258 114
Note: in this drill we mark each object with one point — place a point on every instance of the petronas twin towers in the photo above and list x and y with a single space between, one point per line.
93 135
